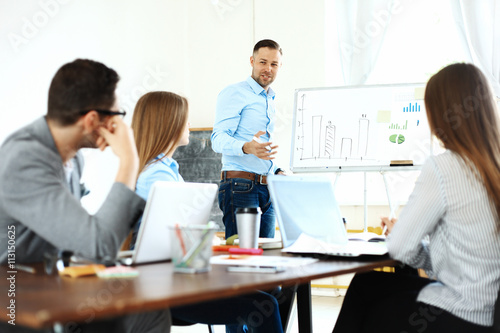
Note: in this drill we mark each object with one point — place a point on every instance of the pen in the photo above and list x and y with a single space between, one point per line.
191 254
255 269
181 240
25 268
391 216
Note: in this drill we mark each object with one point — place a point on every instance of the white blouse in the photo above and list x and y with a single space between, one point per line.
450 205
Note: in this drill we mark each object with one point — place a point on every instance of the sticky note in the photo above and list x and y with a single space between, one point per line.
117 272
383 116
419 93
77 271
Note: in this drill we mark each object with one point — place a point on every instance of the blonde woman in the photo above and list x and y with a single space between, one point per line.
160 124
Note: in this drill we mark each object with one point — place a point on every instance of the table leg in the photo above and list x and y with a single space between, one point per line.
286 302
304 308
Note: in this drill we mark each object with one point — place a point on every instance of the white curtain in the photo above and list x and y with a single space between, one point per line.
478 24
361 26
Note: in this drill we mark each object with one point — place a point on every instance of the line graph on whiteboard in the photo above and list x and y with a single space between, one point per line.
361 126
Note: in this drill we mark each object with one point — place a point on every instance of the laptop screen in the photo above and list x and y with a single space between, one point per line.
306 204
168 204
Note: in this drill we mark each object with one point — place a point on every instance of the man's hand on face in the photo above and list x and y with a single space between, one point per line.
119 136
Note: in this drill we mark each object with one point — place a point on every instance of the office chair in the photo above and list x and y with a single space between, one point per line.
175 321
496 315
179 322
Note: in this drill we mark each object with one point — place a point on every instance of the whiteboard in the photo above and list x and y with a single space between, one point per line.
356 128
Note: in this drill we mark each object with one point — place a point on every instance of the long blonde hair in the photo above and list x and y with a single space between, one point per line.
158 122
463 115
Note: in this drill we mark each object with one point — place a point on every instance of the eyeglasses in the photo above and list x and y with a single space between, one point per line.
105 112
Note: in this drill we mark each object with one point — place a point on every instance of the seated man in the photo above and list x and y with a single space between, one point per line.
40 172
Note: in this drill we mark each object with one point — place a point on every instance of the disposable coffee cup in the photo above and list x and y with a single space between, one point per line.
248 223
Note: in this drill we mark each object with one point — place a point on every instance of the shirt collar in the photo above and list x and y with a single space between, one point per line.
257 88
165 160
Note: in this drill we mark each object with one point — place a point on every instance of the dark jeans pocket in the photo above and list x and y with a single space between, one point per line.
223 188
242 186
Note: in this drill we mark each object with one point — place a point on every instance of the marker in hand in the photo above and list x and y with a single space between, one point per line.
258 140
264 150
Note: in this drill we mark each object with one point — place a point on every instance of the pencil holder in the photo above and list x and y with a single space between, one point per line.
192 247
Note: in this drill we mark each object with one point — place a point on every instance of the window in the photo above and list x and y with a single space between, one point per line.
421 39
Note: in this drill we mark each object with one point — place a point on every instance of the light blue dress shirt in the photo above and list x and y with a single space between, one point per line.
243 109
166 169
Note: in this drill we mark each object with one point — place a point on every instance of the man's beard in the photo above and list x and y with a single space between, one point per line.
90 140
264 84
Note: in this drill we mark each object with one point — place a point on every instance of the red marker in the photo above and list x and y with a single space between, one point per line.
237 250
223 248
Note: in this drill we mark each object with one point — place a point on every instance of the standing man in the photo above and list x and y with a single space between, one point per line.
40 186
244 123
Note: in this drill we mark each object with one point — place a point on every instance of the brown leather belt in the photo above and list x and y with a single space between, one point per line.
259 179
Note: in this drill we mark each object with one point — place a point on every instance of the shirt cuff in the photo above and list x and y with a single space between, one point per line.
238 148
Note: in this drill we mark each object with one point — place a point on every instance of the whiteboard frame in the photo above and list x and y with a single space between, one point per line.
341 168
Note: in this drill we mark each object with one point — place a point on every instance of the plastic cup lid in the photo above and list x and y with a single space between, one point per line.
248 210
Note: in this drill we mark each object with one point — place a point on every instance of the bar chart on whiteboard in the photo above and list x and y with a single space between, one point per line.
359 127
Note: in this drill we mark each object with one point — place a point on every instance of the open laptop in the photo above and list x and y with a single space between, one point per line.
309 218
168 204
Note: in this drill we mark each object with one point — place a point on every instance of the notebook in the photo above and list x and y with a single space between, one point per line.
309 218
168 204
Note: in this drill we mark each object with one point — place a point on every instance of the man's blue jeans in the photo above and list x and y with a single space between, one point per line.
258 311
239 192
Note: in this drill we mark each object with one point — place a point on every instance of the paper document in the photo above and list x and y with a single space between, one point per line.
366 236
264 243
308 244
260 261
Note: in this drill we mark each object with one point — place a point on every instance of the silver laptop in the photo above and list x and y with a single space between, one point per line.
168 204
309 218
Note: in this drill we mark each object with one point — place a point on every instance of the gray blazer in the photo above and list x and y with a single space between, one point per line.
40 211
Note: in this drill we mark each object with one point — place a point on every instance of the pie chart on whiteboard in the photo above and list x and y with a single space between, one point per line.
397 138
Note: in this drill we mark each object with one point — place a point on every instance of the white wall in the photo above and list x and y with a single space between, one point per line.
192 47
188 47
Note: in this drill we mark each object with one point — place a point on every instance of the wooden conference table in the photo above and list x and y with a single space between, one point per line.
42 301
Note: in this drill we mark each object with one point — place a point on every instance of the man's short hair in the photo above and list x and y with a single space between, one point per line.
80 85
267 43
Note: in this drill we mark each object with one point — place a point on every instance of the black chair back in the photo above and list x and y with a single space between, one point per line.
496 316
